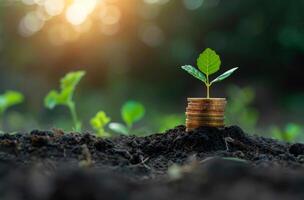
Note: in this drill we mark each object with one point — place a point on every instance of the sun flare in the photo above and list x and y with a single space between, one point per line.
70 18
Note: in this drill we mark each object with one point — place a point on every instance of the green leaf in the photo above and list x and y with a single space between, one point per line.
65 95
10 98
209 62
52 99
119 128
132 112
224 75
290 133
100 120
194 72
71 79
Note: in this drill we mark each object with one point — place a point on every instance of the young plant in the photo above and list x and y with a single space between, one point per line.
64 97
99 122
9 99
290 133
131 112
208 63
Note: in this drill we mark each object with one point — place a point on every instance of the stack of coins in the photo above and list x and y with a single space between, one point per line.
205 112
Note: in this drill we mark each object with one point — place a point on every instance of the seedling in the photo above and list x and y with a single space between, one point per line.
9 99
131 112
99 122
290 133
208 63
64 97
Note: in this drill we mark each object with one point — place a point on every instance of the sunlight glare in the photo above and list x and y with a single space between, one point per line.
110 14
54 7
78 12
28 2
30 24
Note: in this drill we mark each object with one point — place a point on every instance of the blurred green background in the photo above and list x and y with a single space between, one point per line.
133 50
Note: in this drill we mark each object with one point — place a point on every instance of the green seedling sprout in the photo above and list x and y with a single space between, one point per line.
290 133
131 112
64 97
99 122
208 63
9 99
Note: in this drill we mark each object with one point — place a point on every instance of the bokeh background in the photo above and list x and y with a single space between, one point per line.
133 50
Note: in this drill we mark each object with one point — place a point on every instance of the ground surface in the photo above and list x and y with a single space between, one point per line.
204 164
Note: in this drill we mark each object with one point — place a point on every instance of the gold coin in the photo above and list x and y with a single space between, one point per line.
206 124
203 119
206 106
221 121
208 103
203 111
205 114
206 99
209 113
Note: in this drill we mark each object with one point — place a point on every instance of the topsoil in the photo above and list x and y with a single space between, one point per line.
207 163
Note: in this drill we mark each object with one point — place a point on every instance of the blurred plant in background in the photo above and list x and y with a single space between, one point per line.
239 110
64 97
131 112
169 121
7 100
99 122
290 133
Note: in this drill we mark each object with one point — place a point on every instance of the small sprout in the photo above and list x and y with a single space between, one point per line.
9 99
99 122
208 63
131 112
64 97
290 133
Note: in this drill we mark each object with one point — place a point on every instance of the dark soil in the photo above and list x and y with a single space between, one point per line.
207 163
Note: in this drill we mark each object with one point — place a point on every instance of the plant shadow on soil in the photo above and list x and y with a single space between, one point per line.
216 164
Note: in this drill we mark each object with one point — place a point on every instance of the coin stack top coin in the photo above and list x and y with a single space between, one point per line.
205 112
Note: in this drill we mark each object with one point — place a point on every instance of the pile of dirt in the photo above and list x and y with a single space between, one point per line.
207 163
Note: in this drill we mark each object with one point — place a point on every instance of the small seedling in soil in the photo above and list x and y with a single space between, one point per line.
208 63
131 112
64 97
290 133
99 122
9 99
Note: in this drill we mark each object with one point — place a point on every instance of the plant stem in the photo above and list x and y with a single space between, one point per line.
77 124
208 87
